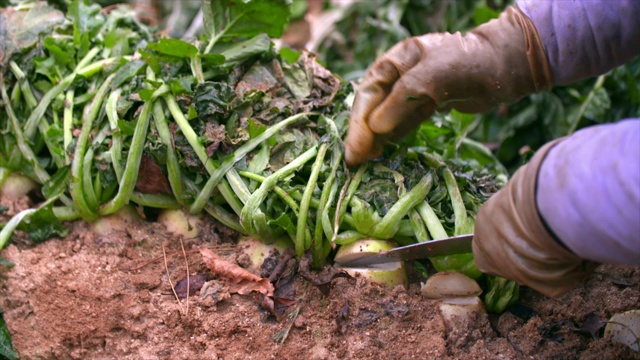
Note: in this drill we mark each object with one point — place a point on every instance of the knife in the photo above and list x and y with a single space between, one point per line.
460 244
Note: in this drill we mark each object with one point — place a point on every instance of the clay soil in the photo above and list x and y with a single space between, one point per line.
110 297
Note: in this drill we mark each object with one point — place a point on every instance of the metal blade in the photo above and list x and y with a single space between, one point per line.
460 244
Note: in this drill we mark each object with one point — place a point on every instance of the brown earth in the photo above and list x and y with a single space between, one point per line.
109 297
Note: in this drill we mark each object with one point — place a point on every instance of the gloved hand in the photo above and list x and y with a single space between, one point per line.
498 62
510 239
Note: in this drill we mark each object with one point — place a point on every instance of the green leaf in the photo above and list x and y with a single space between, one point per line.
284 221
146 94
501 294
62 57
127 72
255 128
151 59
86 21
213 59
483 14
6 347
127 127
244 50
43 225
40 224
46 67
290 55
174 47
192 113
599 106
246 18
58 182
461 121
181 85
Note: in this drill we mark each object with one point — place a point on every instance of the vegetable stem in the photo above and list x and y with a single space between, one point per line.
239 154
299 241
390 223
130 174
201 152
32 122
252 207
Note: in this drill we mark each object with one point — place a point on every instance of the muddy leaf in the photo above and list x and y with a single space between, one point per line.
214 291
322 279
21 29
591 326
342 320
366 317
238 279
396 311
184 287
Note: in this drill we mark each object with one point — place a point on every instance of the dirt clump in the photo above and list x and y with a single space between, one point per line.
105 297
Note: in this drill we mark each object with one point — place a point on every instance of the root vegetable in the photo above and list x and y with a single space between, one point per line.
624 328
389 274
457 295
15 186
118 221
180 223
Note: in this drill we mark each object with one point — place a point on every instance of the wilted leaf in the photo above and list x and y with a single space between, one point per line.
239 280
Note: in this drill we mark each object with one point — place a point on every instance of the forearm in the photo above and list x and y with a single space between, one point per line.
585 38
588 192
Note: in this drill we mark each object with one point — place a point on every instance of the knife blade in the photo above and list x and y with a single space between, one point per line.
460 244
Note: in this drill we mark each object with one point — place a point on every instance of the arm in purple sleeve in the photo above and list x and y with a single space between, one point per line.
588 192
585 38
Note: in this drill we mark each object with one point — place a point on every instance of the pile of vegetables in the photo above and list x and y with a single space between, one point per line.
101 113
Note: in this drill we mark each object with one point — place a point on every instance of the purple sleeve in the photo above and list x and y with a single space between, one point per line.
588 192
585 38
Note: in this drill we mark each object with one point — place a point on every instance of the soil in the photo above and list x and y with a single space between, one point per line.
90 296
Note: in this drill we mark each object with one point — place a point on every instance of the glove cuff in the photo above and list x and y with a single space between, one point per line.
522 248
538 63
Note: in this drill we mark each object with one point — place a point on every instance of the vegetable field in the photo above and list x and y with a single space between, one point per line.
185 198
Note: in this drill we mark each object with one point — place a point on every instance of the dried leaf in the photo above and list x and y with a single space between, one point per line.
366 317
342 321
151 180
322 279
285 292
591 326
238 279
194 284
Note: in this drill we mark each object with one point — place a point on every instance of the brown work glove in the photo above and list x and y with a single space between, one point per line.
511 241
498 62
